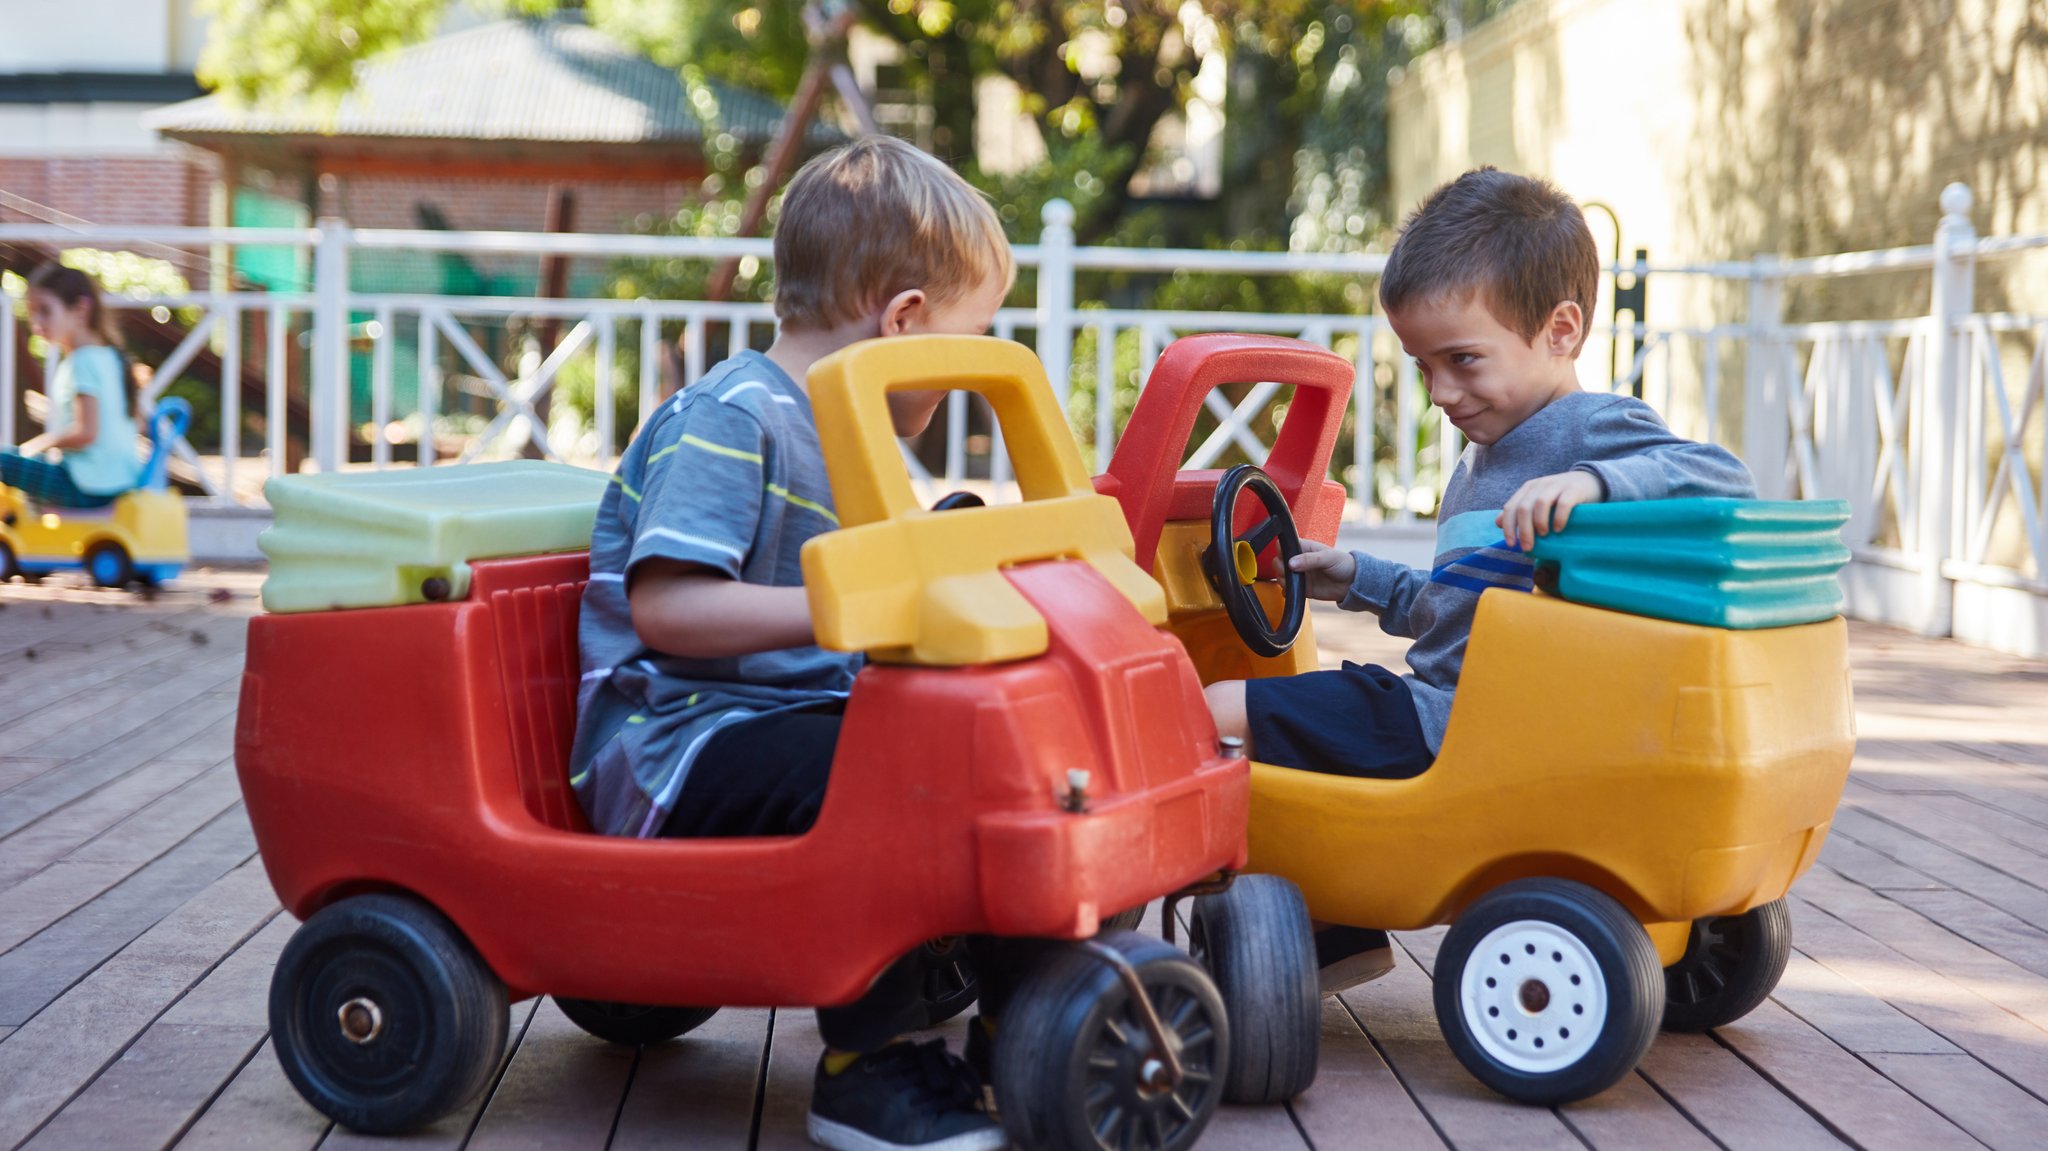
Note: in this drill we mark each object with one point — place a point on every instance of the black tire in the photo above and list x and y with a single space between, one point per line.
429 1017
947 977
9 568
1070 1050
630 1024
1126 920
109 565
1730 966
1255 939
1548 991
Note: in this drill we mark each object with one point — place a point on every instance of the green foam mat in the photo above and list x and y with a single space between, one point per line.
1716 562
379 539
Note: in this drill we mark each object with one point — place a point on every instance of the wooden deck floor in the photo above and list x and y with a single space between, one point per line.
137 934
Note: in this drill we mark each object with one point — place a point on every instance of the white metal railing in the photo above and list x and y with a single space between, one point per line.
1930 426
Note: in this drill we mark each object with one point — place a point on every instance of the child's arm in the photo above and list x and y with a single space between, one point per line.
691 611
1360 582
910 412
84 429
1631 456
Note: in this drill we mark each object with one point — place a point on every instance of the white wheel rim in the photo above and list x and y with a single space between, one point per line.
1533 997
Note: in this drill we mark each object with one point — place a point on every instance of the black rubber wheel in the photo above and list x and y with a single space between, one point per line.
108 564
1072 1050
1255 939
1126 920
384 1016
1548 991
630 1024
948 979
1730 966
8 567
954 501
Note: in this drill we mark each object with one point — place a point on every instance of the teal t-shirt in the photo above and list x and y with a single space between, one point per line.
108 466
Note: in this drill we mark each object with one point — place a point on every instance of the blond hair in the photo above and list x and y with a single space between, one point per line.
875 218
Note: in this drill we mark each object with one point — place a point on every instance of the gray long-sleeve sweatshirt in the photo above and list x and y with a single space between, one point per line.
1619 439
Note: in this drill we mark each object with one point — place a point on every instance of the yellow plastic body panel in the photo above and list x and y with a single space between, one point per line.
376 539
1196 615
1687 771
907 585
149 525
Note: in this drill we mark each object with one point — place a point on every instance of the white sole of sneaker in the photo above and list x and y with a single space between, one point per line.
839 1137
1353 970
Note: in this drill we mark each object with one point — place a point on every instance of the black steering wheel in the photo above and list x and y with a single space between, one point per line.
1232 562
953 501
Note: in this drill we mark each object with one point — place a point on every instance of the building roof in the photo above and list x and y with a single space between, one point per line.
553 80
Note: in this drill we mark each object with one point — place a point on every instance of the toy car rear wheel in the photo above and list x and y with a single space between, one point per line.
1731 964
948 978
1548 991
9 567
108 564
1256 941
383 1016
631 1024
1076 1069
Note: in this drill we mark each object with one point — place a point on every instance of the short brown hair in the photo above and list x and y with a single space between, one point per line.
877 217
1522 244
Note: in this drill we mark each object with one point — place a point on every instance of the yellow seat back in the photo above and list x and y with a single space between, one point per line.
907 585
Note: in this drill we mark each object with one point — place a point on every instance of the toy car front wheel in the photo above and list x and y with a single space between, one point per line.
1548 991
630 1024
1255 939
383 1015
108 564
1076 1068
1731 964
9 568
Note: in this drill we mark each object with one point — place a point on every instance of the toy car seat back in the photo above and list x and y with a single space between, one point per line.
535 603
166 425
1144 473
382 539
908 585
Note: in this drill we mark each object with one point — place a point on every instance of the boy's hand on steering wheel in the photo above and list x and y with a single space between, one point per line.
1328 569
1544 504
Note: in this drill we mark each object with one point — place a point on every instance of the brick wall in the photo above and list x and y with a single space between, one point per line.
146 190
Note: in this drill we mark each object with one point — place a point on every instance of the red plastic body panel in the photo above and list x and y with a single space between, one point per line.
423 748
1143 475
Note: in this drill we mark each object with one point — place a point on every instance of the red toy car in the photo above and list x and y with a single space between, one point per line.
1026 753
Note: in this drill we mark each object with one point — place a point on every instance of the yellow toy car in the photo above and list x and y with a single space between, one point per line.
1641 757
140 537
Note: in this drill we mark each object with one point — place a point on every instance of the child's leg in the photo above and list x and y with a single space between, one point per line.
1358 721
1226 706
45 483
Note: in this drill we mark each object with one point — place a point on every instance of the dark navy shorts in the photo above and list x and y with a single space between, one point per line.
1358 721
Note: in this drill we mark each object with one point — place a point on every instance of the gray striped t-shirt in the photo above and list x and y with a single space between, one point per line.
728 475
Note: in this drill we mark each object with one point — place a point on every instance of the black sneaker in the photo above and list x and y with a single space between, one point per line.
905 1097
1349 956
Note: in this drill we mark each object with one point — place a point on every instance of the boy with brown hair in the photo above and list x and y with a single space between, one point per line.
706 707
1489 287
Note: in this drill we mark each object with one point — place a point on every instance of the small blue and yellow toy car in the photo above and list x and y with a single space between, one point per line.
139 538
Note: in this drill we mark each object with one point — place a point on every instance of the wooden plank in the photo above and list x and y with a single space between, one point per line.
52 790
1724 1095
18 769
1971 836
1982 924
51 894
64 1046
40 969
793 1051
561 1092
1992 886
1235 1128
1396 1011
1977 1099
236 993
50 838
1874 870
107 683
1842 1090
697 1093
1849 1014
452 1132
157 828
1356 1101
1632 1114
258 1111
153 1091
90 721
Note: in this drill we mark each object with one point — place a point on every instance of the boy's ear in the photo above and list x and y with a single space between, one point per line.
903 310
1565 332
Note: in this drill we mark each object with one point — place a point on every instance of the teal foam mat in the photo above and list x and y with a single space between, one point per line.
1720 563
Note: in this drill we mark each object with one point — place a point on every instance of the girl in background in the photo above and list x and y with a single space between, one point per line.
91 400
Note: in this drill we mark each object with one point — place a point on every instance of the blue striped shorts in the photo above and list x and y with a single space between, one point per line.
45 483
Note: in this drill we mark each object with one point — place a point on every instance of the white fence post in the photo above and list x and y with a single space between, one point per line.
1955 268
1766 393
328 404
1055 319
8 368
